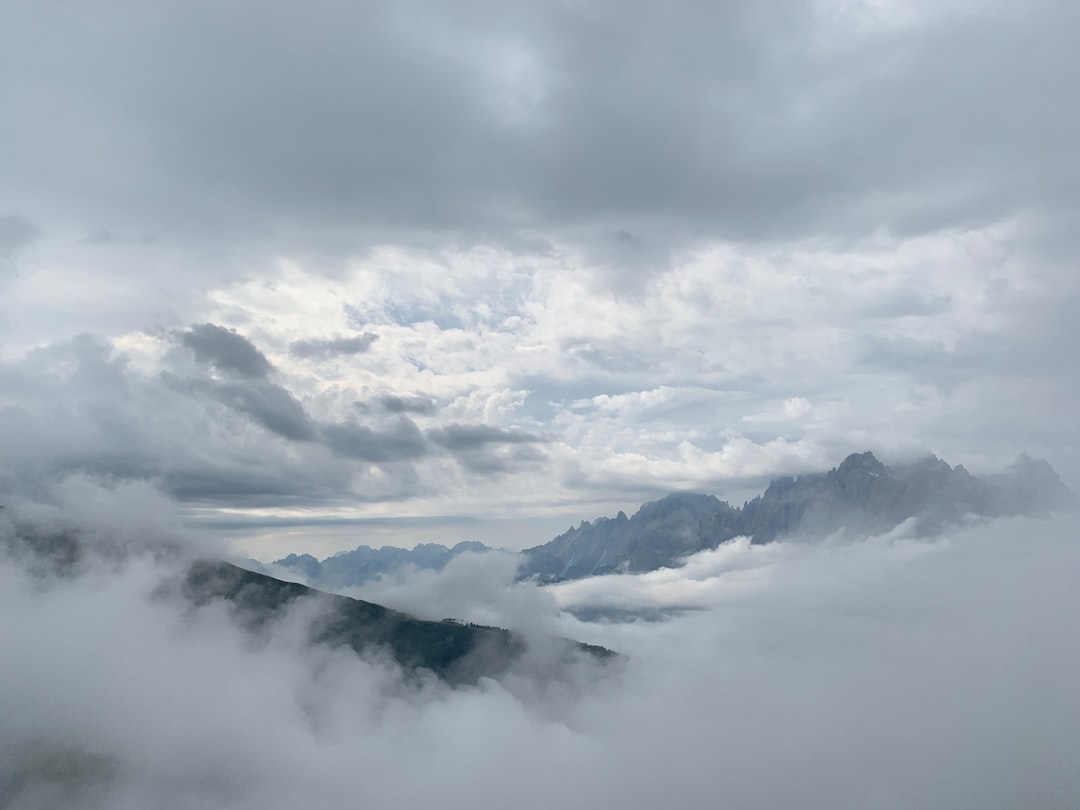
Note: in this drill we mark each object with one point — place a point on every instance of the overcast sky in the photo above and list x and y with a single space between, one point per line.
343 272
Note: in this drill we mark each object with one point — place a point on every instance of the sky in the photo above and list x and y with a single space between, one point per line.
337 273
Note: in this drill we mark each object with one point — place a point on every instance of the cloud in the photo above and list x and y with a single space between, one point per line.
519 122
619 248
16 234
469 437
226 351
764 697
324 349
488 450
755 207
401 442
82 406
790 408
472 587
269 405
408 403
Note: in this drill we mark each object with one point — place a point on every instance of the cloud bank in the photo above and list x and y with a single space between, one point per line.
889 673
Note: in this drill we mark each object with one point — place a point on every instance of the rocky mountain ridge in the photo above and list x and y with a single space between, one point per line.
862 496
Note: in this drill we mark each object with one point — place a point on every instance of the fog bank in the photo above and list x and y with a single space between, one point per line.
889 673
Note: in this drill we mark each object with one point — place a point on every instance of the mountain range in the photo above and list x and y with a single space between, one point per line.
860 497
364 563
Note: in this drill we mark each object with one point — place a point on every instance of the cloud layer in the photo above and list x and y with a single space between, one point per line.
742 120
888 673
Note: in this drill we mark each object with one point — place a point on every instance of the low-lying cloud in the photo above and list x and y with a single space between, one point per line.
890 673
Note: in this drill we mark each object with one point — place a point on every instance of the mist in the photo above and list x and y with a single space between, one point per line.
889 672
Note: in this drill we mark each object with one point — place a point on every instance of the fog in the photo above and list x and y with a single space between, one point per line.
891 672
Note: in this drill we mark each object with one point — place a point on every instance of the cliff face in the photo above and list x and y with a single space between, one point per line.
861 496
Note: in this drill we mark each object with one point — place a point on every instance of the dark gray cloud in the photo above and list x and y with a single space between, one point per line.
402 442
489 450
226 351
325 349
270 405
76 407
267 403
408 403
500 460
468 437
738 119
231 482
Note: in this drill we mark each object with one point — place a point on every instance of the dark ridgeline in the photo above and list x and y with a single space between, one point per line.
860 497
456 651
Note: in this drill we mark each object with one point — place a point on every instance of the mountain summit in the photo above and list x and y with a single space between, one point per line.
862 496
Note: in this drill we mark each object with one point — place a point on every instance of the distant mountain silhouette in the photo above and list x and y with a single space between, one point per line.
364 563
860 497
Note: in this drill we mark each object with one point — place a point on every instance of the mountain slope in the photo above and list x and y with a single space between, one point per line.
456 652
861 496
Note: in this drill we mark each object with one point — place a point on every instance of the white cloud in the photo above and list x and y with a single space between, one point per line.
703 379
765 696
790 408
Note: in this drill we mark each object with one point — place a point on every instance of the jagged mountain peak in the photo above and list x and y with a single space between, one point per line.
678 500
1035 486
861 496
860 463
1033 468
